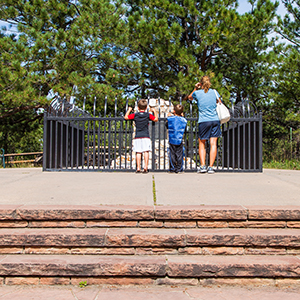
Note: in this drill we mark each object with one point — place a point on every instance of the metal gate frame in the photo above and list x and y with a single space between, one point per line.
74 140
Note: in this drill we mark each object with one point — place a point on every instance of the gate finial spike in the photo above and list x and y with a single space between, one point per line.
116 106
126 107
83 107
63 104
158 105
105 106
95 98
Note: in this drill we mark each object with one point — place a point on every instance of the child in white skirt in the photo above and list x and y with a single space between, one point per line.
141 142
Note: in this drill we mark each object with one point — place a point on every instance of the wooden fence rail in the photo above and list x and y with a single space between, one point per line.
37 157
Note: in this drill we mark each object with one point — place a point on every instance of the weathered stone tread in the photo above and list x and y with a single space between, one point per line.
148 213
149 266
149 237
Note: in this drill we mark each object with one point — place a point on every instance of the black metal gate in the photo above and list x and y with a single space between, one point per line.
75 140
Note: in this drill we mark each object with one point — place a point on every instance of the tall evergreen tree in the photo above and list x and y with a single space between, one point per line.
60 45
179 41
129 46
283 112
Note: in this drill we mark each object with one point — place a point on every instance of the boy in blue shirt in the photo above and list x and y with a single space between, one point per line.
176 125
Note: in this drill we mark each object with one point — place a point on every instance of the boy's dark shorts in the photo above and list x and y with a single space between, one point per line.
207 130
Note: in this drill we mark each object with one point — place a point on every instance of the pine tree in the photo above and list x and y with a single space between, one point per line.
177 42
127 47
283 112
60 45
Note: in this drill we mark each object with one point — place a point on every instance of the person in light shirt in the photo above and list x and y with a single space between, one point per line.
209 127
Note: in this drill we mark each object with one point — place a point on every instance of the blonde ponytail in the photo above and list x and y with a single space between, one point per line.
205 83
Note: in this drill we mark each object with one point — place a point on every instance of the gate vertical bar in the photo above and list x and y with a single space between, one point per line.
233 146
153 147
254 145
67 145
120 142
159 135
249 145
104 133
109 142
130 146
191 139
260 143
51 144
186 148
45 141
104 142
239 146
223 147
165 150
83 143
115 144
115 135
94 143
61 141
72 148
55 145
88 146
98 142
78 152
244 145
125 142
228 144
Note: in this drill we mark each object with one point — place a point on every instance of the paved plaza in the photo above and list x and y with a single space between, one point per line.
32 186
146 293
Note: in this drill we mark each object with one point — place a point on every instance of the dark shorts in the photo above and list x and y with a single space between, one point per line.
207 130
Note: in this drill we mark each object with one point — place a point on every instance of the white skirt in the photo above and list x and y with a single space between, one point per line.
141 145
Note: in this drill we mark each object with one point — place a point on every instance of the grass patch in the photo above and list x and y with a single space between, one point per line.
285 165
82 284
153 190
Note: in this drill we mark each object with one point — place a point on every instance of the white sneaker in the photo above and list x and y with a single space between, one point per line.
202 169
210 170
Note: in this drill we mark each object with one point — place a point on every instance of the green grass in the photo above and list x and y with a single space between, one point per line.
154 190
20 165
285 165
83 284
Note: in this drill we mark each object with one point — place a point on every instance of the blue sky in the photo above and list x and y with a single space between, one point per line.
244 6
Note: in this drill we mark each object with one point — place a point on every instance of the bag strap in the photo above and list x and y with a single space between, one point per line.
217 96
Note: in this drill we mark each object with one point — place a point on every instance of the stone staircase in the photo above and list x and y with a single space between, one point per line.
188 245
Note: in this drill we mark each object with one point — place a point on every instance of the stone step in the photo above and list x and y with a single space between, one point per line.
225 216
146 244
166 266
149 238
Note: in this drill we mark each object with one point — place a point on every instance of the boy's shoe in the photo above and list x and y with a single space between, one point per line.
202 169
210 170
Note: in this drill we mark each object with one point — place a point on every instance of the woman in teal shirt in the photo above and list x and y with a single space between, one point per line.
208 121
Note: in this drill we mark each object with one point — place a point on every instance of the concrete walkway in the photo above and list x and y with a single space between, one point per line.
32 186
146 293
